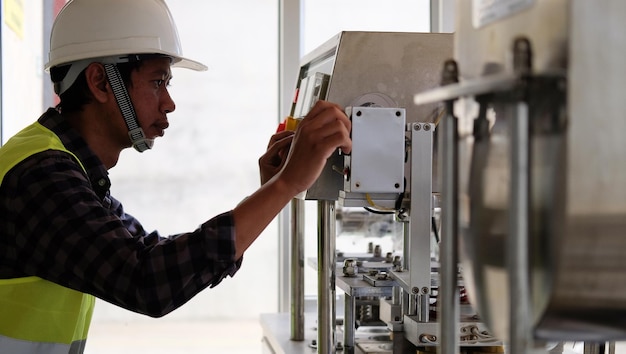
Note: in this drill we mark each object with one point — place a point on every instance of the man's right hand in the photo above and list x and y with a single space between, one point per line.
324 130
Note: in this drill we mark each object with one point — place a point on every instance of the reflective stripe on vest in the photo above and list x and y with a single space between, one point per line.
16 346
38 316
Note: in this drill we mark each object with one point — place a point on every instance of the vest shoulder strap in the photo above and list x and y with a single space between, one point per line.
33 139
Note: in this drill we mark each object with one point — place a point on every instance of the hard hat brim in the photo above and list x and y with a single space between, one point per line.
189 64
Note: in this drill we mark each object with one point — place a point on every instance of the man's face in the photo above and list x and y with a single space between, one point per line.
150 96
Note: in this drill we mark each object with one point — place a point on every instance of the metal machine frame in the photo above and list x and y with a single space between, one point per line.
373 74
554 106
527 183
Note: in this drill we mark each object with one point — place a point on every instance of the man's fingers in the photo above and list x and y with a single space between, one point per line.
278 137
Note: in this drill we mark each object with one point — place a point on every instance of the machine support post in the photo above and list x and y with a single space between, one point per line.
449 307
596 348
297 270
421 215
520 337
448 290
326 263
349 323
517 243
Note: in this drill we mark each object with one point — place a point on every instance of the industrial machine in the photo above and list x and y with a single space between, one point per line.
390 302
506 168
534 168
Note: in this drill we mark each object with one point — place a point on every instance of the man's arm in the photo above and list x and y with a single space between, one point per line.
325 129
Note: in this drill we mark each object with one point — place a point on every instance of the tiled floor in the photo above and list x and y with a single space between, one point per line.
175 336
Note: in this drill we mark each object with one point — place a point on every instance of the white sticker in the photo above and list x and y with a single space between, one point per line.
485 12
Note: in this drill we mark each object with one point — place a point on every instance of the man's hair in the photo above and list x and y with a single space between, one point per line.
78 95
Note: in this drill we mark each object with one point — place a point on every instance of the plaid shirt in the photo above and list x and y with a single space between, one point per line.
62 225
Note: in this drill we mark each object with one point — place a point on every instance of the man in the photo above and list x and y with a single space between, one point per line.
65 239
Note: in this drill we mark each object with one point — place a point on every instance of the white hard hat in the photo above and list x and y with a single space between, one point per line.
91 29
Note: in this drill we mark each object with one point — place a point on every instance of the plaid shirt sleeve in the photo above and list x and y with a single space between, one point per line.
54 226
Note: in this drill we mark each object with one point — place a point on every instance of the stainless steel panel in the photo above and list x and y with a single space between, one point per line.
419 241
577 163
397 65
487 49
376 162
590 283
388 67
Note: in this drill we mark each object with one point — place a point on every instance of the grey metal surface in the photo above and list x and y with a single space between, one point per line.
595 197
326 340
376 162
470 87
349 321
448 290
487 49
471 332
297 270
356 286
596 169
394 65
397 65
419 244
517 248
577 196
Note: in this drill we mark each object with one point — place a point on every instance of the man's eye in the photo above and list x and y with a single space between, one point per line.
160 83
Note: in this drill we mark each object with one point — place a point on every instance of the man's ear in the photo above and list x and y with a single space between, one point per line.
97 82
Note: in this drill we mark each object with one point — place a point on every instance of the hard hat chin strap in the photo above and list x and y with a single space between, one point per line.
136 134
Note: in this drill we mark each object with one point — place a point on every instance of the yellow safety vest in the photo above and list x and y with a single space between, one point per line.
36 315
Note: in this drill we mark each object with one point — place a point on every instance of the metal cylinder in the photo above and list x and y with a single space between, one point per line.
517 243
349 323
297 270
326 264
413 305
448 290
423 313
396 295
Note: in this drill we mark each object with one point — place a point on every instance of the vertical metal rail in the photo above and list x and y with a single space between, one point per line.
517 243
448 287
407 300
517 246
297 270
421 216
406 250
448 161
594 348
349 321
326 264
